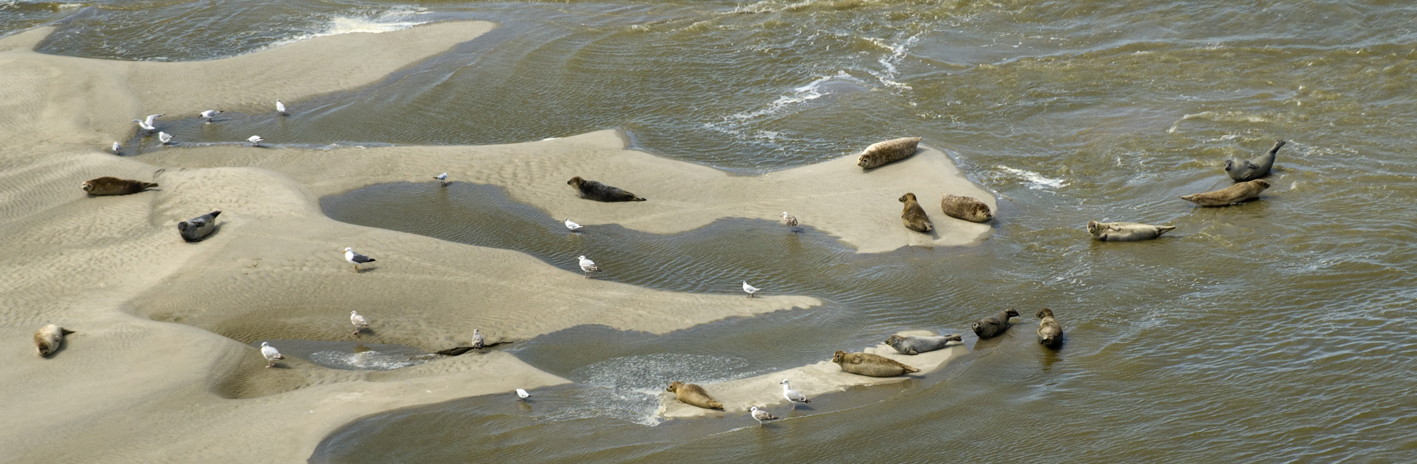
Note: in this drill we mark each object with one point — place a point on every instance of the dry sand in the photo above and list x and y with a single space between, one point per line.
161 368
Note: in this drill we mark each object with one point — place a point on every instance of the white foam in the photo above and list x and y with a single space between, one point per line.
1035 180
388 21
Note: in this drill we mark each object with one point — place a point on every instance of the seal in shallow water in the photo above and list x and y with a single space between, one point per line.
871 365
1243 170
592 190
890 151
917 345
689 393
1125 231
48 339
995 325
198 228
1238 193
115 186
966 208
1050 334
914 216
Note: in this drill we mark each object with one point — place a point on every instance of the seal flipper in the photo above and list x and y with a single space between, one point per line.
65 331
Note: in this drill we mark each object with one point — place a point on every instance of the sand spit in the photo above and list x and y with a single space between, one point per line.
812 380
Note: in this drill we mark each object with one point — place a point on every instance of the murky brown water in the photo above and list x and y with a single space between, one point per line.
1274 331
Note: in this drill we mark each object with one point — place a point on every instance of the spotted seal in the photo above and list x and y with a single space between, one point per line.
890 151
995 325
966 208
1238 193
871 365
199 227
914 216
1050 334
1125 231
1243 170
692 394
115 186
917 345
592 190
48 339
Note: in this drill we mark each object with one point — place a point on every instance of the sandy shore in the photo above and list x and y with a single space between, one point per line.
161 368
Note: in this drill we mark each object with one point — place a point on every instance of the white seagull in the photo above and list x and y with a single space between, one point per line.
588 266
359 322
761 415
477 342
523 394
147 124
116 147
442 178
270 353
255 140
793 396
790 221
573 226
164 137
749 288
355 258
280 108
209 114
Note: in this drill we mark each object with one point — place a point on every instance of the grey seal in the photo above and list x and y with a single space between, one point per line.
1238 193
966 208
995 325
890 151
913 216
199 227
689 393
1243 170
48 339
917 345
871 365
1050 334
115 186
1125 231
592 190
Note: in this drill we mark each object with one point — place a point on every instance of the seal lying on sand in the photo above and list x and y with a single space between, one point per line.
914 216
689 393
1050 334
1243 170
966 208
995 325
890 151
1125 231
592 190
871 365
917 345
199 227
1233 194
48 339
115 186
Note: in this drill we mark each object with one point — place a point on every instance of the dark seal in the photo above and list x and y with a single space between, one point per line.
995 325
1243 170
115 186
592 190
198 228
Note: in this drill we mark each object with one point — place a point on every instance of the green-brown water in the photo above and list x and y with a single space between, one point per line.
1273 331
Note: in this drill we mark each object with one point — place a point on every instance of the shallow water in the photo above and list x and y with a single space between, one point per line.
1271 331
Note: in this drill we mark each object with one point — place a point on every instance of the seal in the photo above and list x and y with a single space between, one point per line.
198 228
1125 231
115 186
917 345
914 216
871 365
1243 170
883 153
48 339
1050 334
592 190
995 325
1238 193
692 394
966 208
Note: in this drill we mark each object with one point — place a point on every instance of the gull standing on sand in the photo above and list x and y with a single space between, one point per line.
588 266
761 415
116 147
355 258
359 322
749 288
270 353
442 178
573 226
793 396
255 140
477 342
523 394
164 137
790 221
209 114
147 124
280 108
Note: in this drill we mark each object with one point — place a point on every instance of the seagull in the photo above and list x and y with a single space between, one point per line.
359 322
523 394
477 342
442 178
749 288
270 353
573 226
355 258
588 266
164 137
790 221
280 108
761 415
116 147
209 114
147 124
255 140
793 396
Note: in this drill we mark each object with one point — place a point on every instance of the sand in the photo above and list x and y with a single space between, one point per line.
162 366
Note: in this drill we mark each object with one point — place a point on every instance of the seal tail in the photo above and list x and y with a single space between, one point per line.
1278 143
64 331
1160 230
638 199
148 185
715 405
910 370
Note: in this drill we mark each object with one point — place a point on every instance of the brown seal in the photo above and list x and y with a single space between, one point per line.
1050 334
871 365
914 216
592 190
995 325
966 208
1125 231
1238 193
115 186
689 393
48 339
890 151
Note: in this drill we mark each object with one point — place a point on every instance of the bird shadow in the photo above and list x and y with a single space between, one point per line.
366 331
362 270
